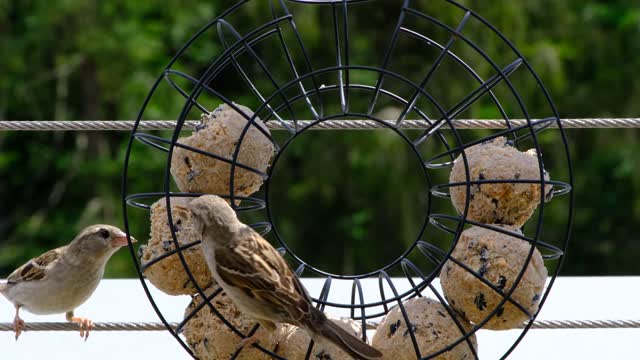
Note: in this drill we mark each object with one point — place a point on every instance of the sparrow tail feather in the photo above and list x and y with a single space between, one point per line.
347 342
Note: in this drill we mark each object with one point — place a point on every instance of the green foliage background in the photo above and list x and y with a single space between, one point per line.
84 60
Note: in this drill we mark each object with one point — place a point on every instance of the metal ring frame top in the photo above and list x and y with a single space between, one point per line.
305 91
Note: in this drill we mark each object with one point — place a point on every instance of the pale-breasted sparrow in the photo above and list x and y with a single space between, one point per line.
62 279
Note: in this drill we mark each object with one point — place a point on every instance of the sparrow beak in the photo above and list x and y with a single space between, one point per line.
121 240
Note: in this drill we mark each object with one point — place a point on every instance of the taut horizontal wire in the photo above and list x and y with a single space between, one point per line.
100 326
127 125
155 326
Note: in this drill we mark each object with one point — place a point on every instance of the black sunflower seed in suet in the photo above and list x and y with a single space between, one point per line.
480 302
502 282
482 270
394 327
535 299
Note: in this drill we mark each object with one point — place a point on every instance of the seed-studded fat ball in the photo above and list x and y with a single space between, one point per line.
210 339
508 203
434 329
294 342
498 258
219 134
169 274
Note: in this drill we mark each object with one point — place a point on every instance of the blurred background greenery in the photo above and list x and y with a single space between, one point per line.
348 202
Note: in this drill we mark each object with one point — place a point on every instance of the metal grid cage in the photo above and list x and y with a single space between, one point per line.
451 49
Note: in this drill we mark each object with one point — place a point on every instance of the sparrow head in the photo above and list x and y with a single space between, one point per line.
213 212
98 239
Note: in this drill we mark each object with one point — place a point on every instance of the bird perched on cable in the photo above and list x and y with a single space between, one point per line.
259 281
62 279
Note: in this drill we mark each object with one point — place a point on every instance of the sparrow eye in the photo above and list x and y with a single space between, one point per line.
104 233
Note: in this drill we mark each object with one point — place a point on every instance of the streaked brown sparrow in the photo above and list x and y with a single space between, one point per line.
259 281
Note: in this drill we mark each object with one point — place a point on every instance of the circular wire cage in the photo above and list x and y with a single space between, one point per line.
449 44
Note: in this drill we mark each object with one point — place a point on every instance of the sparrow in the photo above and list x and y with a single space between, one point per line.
62 279
258 280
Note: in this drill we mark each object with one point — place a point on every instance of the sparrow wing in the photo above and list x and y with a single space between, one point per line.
35 269
253 265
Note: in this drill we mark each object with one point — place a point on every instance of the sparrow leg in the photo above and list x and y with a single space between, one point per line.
18 324
85 324
266 325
